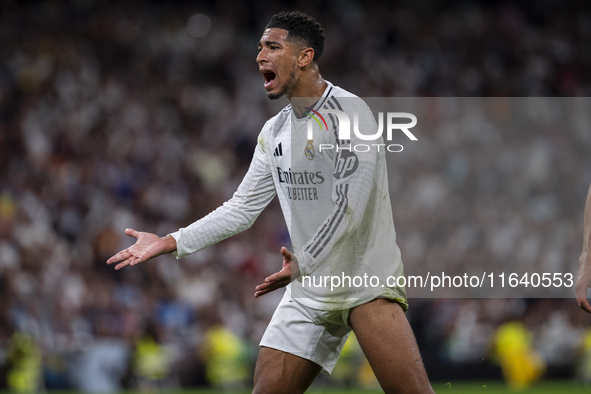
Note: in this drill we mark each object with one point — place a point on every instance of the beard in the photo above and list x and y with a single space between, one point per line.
286 88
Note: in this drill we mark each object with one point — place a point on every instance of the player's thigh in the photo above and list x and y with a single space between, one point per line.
280 372
386 338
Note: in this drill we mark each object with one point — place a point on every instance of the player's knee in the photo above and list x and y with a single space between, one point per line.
262 386
267 384
259 388
412 386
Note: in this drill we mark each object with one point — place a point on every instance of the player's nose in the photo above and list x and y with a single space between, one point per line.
262 56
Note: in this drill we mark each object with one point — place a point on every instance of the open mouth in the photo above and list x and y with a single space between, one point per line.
269 78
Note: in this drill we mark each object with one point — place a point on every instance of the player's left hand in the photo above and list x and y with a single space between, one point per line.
282 278
582 284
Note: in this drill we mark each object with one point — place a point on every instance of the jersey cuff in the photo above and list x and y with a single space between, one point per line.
177 235
304 262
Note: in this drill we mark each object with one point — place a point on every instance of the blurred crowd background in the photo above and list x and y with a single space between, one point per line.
144 114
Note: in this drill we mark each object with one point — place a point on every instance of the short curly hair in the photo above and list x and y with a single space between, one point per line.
301 27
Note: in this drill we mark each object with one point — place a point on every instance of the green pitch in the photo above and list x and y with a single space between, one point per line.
484 387
493 387
461 387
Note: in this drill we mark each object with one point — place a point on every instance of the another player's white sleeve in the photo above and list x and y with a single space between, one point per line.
235 215
353 179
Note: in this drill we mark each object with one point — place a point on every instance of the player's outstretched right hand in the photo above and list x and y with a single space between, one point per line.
147 246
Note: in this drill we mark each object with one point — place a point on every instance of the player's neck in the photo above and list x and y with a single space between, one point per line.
309 88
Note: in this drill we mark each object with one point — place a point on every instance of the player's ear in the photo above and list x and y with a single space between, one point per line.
305 57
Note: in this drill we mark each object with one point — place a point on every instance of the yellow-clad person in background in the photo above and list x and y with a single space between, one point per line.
153 362
25 373
584 363
520 363
226 358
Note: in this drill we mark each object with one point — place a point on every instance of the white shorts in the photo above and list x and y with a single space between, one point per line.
318 336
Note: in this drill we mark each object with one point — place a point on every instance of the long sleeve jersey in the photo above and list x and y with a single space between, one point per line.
333 193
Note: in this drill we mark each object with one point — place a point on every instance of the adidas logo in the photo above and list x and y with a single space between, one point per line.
278 150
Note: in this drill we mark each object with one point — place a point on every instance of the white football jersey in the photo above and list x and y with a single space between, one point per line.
334 196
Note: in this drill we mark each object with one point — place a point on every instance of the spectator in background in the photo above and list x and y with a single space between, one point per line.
97 102
25 365
514 351
153 367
